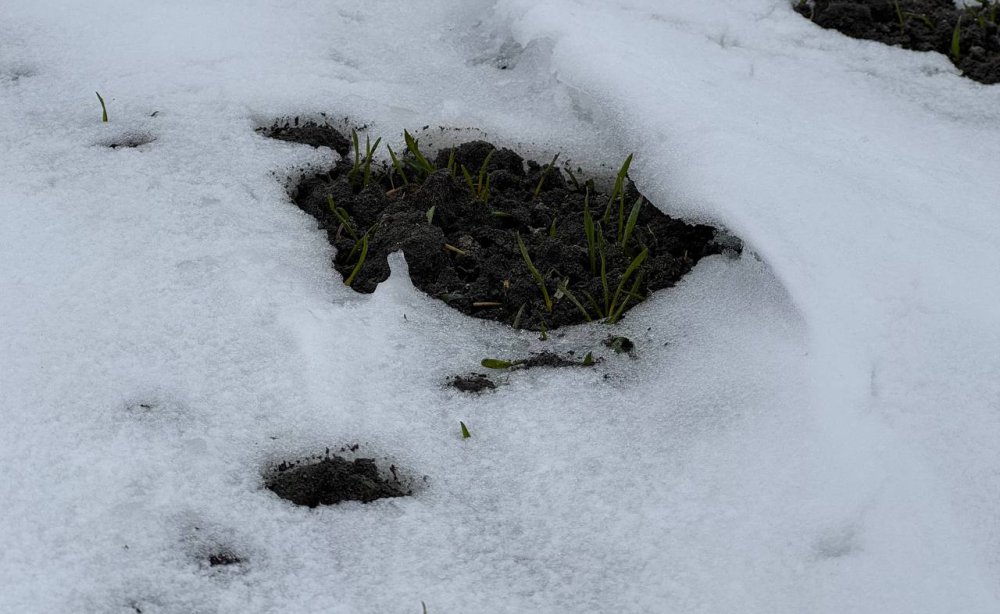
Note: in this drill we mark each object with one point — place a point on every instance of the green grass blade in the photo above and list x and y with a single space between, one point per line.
517 317
397 165
545 172
564 288
633 217
618 189
588 360
430 214
369 155
956 40
632 268
104 109
483 170
465 430
588 230
419 161
534 273
631 294
361 261
468 180
496 363
341 214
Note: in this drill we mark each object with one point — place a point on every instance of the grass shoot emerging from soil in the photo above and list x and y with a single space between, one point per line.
511 241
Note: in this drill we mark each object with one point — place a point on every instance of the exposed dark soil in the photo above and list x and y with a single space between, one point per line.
331 480
309 133
473 382
465 251
921 25
224 557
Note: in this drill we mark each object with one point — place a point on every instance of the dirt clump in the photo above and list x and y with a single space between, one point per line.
331 480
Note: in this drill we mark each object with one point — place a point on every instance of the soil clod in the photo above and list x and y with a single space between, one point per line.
308 133
473 382
331 480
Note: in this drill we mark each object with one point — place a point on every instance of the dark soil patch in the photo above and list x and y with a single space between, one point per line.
464 249
224 557
921 25
308 133
331 480
473 382
130 141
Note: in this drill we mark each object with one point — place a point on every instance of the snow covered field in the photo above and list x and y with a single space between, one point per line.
811 427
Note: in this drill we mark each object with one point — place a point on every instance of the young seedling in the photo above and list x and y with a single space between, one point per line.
899 16
588 360
541 179
360 263
363 165
633 217
588 230
534 273
104 109
420 163
572 178
430 214
517 317
618 190
465 435
552 228
564 290
956 41
341 213
616 309
451 163
396 165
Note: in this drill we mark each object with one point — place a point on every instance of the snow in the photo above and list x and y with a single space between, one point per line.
810 427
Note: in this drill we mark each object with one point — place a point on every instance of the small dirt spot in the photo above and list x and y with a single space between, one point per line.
224 557
130 141
920 25
308 133
473 382
333 479
496 237
621 345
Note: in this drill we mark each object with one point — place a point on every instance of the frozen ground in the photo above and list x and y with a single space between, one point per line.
811 428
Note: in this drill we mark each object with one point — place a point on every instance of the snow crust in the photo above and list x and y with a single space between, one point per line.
808 428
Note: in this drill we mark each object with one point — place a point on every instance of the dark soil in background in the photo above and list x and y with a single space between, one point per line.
331 480
467 254
921 25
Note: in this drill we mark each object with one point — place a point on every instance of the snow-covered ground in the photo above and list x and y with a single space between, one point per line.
810 428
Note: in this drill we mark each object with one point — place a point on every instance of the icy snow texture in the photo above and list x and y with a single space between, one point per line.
813 434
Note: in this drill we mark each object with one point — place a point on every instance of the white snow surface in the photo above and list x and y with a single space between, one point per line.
811 427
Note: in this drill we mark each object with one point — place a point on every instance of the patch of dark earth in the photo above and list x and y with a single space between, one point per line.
331 480
969 36
224 557
461 241
473 383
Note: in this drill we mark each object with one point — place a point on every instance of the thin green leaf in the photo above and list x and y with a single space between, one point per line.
588 230
588 360
632 268
397 165
465 430
541 179
361 261
517 317
104 109
618 189
496 363
430 214
534 273
633 217
564 288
